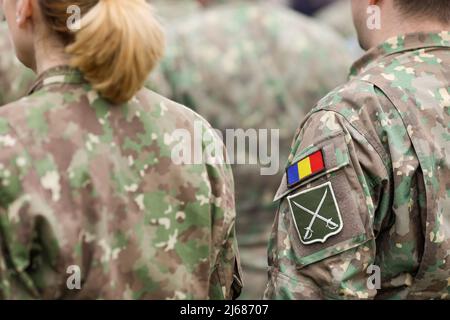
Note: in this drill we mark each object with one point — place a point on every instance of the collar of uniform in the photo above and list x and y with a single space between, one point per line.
408 42
60 74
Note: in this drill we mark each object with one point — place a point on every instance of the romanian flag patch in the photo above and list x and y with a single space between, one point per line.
305 168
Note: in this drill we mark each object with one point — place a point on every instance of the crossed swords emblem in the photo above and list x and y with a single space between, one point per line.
315 215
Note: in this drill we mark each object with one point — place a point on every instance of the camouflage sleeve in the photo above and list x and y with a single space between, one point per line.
225 280
323 240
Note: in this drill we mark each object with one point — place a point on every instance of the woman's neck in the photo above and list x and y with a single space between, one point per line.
49 55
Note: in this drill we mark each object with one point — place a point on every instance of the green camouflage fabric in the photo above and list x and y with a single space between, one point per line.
251 66
386 145
15 79
84 183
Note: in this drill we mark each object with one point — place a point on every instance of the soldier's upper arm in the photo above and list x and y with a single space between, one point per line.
323 236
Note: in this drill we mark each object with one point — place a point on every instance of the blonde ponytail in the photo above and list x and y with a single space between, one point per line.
119 43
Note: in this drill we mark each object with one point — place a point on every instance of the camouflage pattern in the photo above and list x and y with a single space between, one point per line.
251 65
84 183
386 146
15 79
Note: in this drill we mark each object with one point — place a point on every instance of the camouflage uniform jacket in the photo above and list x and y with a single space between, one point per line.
87 184
382 200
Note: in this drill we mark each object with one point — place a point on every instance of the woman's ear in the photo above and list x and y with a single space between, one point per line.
24 11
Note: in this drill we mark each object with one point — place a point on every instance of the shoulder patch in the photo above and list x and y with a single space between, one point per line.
316 214
305 168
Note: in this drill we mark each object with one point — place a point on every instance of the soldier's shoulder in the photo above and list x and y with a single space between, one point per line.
10 144
357 108
16 122
358 102
353 95
15 110
24 106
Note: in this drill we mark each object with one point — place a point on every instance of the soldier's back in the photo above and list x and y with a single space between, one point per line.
414 78
95 186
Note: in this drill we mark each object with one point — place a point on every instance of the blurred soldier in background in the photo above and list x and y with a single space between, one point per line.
251 64
172 9
338 15
15 79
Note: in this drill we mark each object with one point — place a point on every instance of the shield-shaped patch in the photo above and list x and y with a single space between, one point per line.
316 213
